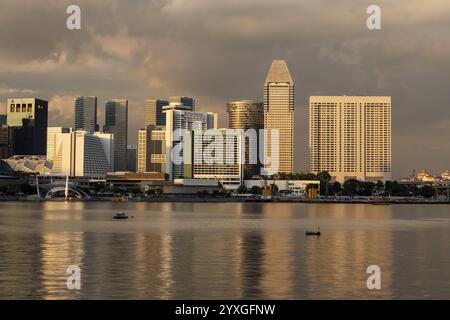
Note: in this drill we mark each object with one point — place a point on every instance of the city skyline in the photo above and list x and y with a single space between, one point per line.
337 55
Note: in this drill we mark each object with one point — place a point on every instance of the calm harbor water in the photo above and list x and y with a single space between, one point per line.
223 251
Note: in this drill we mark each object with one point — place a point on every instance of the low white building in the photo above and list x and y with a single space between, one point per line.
216 155
295 187
196 182
30 164
83 154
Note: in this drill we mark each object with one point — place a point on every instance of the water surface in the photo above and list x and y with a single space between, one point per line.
223 251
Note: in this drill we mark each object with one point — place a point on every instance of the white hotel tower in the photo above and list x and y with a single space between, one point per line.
350 137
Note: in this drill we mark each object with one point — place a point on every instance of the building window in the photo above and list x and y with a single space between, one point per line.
12 108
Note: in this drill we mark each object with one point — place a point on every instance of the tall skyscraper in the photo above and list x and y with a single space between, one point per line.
131 158
116 122
83 154
247 114
27 120
52 133
186 101
350 137
177 118
86 114
153 112
279 115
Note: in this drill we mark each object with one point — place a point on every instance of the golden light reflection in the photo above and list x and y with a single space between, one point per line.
58 252
336 262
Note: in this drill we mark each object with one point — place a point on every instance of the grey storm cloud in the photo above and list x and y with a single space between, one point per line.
218 51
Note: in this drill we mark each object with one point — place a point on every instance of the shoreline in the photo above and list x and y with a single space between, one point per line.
234 200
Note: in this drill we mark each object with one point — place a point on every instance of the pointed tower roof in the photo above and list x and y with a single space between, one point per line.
279 72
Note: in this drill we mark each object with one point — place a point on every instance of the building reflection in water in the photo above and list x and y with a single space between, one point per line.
58 252
153 271
336 262
242 251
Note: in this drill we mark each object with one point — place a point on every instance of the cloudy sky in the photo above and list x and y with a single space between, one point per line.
218 51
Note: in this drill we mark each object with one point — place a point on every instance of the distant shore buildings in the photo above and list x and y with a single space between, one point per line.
425 177
349 136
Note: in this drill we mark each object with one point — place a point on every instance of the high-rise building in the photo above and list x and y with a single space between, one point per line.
177 120
350 137
86 114
52 133
186 101
116 122
217 160
279 115
131 158
27 120
152 149
153 112
142 151
245 115
83 154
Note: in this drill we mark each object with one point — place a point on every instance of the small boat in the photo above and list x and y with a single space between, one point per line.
313 233
120 216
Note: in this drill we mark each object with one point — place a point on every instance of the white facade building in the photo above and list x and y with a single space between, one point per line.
350 137
52 133
82 154
219 158
179 117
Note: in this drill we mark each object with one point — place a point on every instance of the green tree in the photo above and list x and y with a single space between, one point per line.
242 189
274 189
366 189
336 188
427 191
325 179
255 190
351 187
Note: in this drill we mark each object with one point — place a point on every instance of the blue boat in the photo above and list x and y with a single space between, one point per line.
120 216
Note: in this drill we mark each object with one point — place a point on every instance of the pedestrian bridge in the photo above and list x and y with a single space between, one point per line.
59 192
